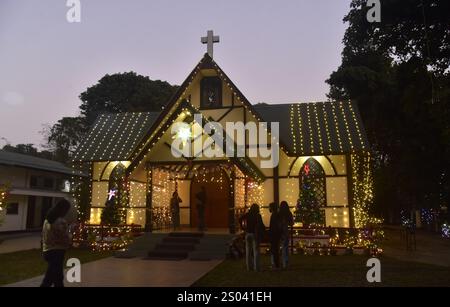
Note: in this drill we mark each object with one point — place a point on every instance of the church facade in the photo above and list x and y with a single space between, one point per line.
131 158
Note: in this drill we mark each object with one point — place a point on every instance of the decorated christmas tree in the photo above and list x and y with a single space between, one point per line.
111 215
308 210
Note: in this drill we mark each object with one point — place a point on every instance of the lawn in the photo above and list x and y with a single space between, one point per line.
26 264
326 271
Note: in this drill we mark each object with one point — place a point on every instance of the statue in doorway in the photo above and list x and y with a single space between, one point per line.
201 205
175 210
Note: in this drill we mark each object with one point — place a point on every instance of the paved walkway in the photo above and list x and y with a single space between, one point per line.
114 272
18 242
431 248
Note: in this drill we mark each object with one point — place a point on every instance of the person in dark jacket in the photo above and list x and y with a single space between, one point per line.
55 241
201 206
275 235
254 229
287 220
175 210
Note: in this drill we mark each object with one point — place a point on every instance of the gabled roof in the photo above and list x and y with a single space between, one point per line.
114 137
305 128
317 128
20 160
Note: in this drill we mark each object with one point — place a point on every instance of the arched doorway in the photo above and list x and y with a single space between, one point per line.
312 187
217 186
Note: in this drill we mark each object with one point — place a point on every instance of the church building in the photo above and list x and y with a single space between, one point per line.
131 157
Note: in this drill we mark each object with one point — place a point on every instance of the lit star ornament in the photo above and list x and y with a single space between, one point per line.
111 194
306 169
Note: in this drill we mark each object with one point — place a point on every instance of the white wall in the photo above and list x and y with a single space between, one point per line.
15 222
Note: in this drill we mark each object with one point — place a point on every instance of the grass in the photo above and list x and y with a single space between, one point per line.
344 271
26 264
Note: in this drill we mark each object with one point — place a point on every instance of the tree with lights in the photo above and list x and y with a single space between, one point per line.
308 211
111 214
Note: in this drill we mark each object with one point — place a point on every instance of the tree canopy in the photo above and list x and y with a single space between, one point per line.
124 92
398 73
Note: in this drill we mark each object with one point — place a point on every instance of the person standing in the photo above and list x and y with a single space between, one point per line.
287 220
175 210
254 228
275 235
201 205
55 241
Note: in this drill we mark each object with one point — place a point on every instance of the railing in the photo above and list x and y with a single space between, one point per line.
161 218
326 238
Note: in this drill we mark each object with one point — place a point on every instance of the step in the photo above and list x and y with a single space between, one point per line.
187 234
175 246
181 240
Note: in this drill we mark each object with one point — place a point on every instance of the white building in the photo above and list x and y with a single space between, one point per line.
36 185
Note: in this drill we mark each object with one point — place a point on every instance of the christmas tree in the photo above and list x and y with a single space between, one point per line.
308 210
111 214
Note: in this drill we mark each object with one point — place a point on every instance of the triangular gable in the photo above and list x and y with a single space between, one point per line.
243 163
167 115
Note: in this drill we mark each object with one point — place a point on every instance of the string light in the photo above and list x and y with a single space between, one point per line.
245 191
349 135
314 106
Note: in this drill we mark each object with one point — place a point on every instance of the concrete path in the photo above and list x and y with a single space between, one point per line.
431 248
114 272
18 242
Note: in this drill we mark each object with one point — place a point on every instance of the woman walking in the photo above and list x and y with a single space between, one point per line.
55 242
287 220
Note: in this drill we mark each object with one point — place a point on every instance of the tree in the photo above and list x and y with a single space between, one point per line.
124 92
397 72
308 211
111 214
64 137
27 149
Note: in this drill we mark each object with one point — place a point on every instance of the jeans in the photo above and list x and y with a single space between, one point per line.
251 252
285 252
275 251
55 274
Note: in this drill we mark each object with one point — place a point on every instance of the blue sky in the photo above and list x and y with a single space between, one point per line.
274 51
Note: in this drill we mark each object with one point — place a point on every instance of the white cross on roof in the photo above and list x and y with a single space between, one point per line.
210 39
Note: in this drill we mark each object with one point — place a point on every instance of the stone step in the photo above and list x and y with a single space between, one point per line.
175 246
187 234
181 240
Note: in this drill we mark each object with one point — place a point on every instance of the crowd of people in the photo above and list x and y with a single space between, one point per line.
251 222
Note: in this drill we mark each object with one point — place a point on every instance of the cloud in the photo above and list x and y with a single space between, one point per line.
13 99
